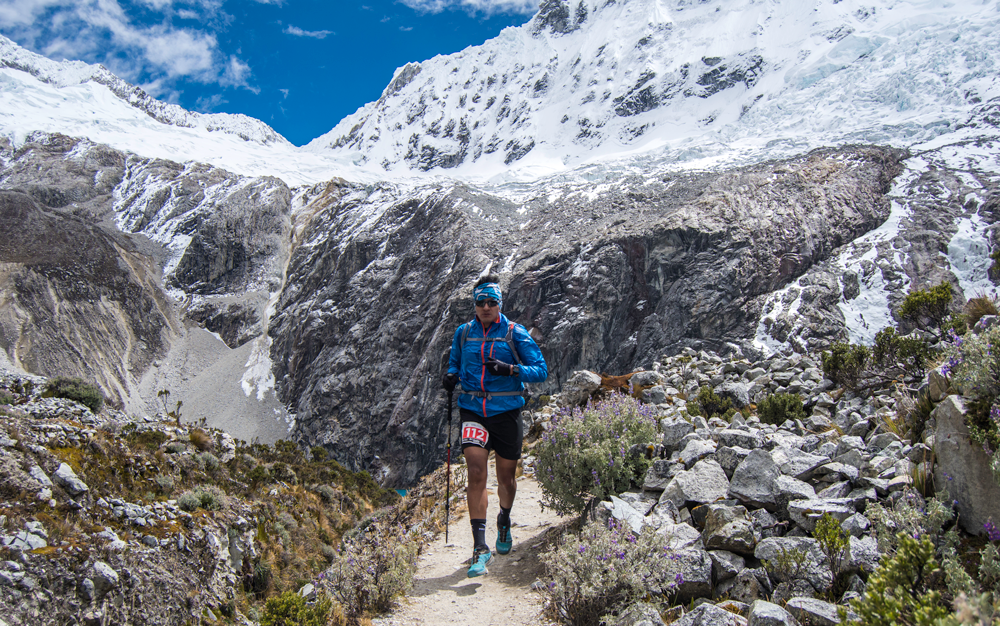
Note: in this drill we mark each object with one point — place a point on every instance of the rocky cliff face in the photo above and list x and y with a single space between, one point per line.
604 279
94 240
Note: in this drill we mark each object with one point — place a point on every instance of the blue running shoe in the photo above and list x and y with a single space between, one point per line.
482 557
504 539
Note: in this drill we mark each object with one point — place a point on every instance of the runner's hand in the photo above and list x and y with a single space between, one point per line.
499 368
449 381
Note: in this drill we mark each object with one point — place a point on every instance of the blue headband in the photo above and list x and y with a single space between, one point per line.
488 290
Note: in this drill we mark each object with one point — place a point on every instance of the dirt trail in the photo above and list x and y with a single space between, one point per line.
443 594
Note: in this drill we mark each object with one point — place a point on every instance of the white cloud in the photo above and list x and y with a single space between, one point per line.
237 74
276 2
24 12
284 93
406 29
155 54
298 32
487 7
210 104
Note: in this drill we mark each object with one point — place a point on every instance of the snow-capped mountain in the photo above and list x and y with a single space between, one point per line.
71 73
684 82
88 101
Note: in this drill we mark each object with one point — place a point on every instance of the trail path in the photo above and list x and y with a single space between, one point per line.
443 594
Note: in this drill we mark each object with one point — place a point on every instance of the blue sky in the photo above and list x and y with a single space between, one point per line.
299 65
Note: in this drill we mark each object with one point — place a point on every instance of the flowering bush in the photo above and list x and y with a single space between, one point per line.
604 569
376 565
973 361
586 452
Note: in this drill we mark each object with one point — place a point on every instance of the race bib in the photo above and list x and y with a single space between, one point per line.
475 434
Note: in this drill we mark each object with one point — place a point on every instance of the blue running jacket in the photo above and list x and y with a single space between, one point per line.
469 363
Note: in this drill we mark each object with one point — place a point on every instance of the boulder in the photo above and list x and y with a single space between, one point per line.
788 489
937 384
623 512
695 568
738 392
796 463
674 430
764 613
963 468
730 458
659 474
646 378
696 450
680 536
729 528
753 480
743 588
639 614
705 482
105 579
725 564
864 553
806 513
66 478
710 615
734 438
577 389
816 612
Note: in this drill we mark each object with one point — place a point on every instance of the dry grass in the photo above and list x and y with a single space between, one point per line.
978 307
201 439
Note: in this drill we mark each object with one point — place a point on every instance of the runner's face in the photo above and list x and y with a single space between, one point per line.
487 314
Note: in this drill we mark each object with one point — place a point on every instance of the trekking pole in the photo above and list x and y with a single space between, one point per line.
447 492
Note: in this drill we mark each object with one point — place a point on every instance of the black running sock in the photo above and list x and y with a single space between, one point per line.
504 516
479 533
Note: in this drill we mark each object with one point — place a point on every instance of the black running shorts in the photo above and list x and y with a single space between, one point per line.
500 432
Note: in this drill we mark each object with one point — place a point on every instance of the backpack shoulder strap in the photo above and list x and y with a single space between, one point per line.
510 343
465 334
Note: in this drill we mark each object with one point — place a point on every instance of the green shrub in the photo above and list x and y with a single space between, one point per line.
290 609
75 389
832 541
585 453
5 397
898 356
711 404
258 581
150 437
318 453
899 591
603 569
259 475
845 363
165 483
927 309
974 365
777 408
957 324
208 497
375 566
207 460
910 515
788 564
